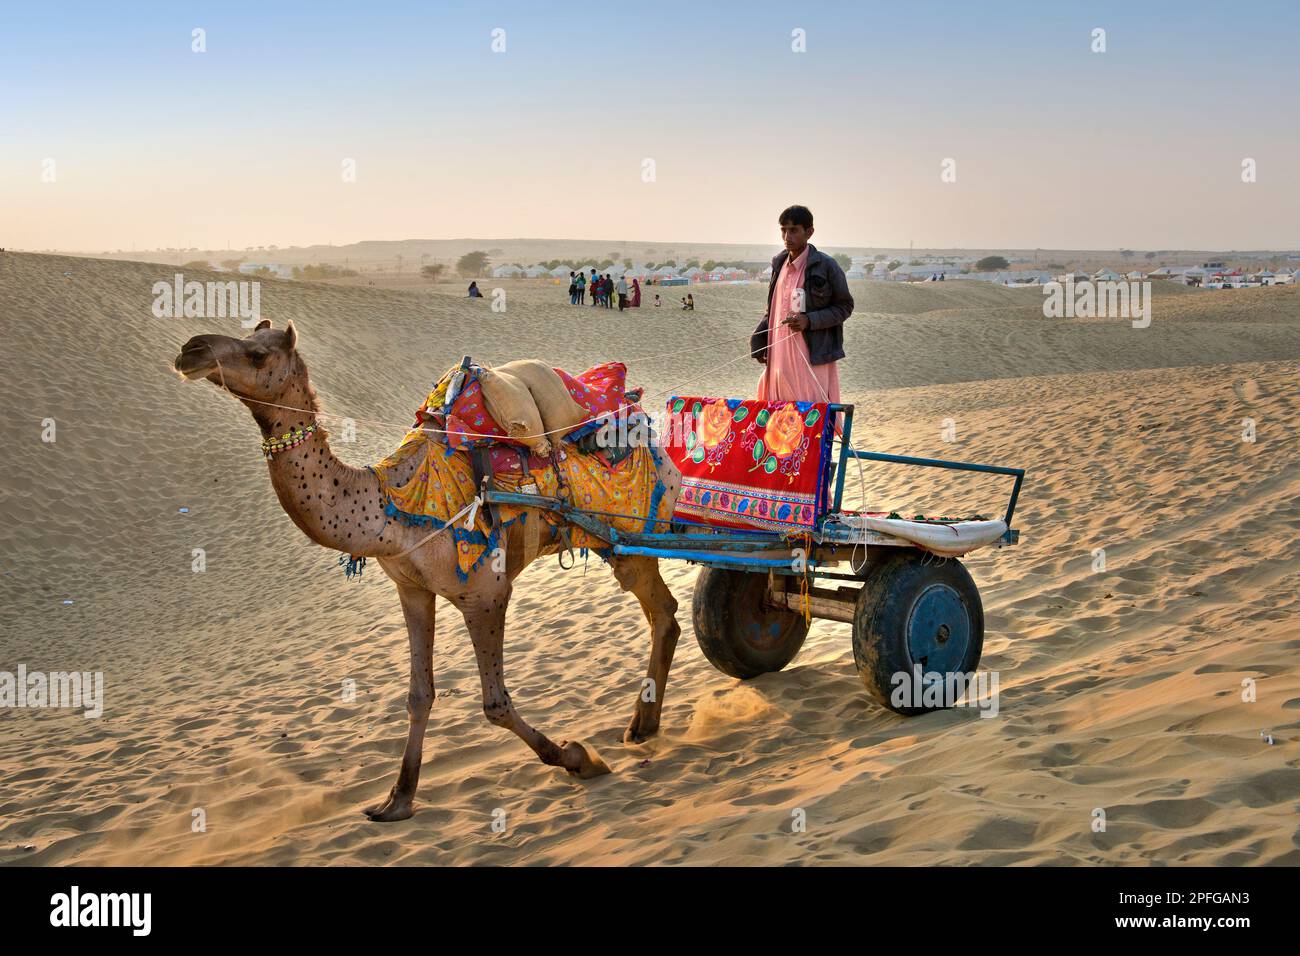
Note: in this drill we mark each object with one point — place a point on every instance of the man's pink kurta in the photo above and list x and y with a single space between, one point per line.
789 376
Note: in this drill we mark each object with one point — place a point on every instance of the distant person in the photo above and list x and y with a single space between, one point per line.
622 293
573 288
609 292
690 302
801 338
474 293
594 283
636 294
581 283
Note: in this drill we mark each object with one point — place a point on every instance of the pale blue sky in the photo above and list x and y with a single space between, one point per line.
1055 145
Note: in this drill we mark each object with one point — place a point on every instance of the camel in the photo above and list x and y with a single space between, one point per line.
341 507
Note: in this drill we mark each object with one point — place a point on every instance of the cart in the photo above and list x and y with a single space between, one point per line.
911 611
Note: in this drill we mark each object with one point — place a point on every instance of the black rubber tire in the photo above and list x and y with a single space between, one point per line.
737 634
932 600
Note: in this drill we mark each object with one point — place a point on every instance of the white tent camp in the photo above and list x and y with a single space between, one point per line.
536 272
506 272
1135 276
562 272
1106 275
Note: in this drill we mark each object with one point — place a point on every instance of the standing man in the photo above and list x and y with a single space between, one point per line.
622 292
801 338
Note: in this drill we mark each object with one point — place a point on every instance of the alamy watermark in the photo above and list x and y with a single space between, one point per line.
930 689
38 689
240 299
1091 299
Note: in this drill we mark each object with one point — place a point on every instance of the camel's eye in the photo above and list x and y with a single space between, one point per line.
258 357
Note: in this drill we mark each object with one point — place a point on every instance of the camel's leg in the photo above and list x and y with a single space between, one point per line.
418 609
641 576
485 618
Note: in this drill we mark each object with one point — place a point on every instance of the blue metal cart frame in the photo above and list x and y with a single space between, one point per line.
744 550
755 595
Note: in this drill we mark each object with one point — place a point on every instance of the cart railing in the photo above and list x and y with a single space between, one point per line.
847 452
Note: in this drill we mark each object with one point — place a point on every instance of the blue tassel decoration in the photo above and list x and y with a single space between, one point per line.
351 566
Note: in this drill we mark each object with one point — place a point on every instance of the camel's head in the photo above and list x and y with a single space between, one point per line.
262 370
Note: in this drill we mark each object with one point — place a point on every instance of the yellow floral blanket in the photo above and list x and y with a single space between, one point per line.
440 483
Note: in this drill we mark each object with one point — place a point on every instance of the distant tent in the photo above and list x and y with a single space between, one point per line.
1106 275
561 271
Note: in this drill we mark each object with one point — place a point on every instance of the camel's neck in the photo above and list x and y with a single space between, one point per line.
336 505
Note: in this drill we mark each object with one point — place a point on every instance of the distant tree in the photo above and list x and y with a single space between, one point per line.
710 265
322 271
197 264
472 263
843 260
693 263
614 256
652 265
604 264
627 263
1150 255
893 264
1056 266
231 264
1126 253
879 258
991 264
433 272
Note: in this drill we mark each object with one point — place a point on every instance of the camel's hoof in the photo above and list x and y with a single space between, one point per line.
389 812
638 733
581 761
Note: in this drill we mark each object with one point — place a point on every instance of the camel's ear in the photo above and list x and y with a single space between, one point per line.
264 324
290 336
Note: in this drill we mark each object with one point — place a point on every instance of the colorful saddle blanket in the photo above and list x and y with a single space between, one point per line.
750 464
601 390
426 483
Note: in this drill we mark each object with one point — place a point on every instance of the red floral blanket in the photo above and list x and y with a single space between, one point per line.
750 464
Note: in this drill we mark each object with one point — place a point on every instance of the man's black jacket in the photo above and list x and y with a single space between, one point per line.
827 303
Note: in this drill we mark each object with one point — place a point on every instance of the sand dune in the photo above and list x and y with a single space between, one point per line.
1120 689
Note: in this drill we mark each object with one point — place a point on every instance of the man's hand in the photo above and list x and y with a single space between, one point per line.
797 322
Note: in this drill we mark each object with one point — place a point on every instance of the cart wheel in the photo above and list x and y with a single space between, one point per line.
915 609
737 633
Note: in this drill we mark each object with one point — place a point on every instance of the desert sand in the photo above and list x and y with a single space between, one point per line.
1120 689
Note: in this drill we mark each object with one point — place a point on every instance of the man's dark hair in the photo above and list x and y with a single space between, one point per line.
796 216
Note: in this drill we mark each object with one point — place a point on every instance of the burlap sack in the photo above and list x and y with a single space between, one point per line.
560 413
510 402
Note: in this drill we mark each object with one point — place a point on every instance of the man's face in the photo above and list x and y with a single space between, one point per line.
795 237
